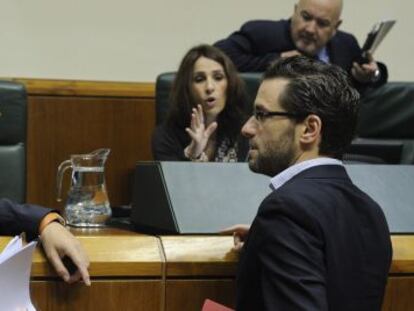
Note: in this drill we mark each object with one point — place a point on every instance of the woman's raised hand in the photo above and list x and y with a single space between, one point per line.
199 133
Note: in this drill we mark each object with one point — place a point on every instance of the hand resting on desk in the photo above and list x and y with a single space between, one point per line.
57 243
239 232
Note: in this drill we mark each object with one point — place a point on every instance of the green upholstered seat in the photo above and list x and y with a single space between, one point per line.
13 119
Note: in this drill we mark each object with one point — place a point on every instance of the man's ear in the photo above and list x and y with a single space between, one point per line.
311 130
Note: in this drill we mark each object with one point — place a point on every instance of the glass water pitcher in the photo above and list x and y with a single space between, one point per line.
87 203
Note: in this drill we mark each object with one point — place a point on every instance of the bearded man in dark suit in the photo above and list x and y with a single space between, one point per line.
317 242
313 31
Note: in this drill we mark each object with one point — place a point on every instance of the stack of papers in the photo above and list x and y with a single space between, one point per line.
15 266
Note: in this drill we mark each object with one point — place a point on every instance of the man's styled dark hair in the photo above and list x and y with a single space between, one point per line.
182 98
324 90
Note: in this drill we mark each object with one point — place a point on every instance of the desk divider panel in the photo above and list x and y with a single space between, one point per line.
201 198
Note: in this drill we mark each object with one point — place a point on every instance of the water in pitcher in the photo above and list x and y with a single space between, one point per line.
87 203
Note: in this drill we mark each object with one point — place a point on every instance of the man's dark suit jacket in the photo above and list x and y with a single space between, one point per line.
317 243
17 218
260 42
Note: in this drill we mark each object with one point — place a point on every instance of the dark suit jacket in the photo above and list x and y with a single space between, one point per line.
258 43
17 218
317 243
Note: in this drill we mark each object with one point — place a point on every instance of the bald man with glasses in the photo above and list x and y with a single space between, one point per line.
313 31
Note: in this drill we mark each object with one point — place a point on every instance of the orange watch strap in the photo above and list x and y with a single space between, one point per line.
51 217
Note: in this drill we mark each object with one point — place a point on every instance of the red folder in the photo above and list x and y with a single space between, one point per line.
210 305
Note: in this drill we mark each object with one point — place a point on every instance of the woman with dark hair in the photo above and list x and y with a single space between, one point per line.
207 111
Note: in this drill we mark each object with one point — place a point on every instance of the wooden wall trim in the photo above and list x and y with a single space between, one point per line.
66 117
87 88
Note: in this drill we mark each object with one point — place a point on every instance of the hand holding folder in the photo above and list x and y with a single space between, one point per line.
374 38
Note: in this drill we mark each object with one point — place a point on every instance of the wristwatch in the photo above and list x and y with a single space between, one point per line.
377 75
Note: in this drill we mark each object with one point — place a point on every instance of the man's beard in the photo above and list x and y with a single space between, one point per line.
307 41
276 156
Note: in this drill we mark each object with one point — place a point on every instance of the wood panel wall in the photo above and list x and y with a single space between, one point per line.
72 117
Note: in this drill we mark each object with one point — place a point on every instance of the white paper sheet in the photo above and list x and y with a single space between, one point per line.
15 266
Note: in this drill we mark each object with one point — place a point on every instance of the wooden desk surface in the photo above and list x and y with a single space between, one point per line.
116 252
131 271
111 252
403 254
205 255
199 255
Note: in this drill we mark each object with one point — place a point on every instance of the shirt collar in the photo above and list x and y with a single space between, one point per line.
323 55
286 175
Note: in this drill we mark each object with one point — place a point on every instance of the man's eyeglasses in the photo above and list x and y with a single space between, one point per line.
261 115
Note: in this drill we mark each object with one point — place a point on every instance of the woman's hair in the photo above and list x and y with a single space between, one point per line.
182 98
